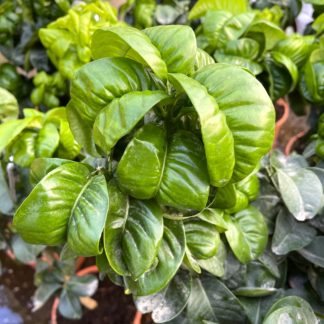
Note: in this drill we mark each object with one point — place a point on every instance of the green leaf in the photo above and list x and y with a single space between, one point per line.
11 129
203 6
211 300
246 63
121 116
6 202
247 234
249 113
129 42
179 59
302 192
82 285
311 78
8 106
290 309
133 232
47 141
168 303
23 251
217 137
174 172
44 215
216 264
23 148
43 293
202 59
169 258
88 217
42 166
288 234
70 305
202 238
225 197
314 251
283 74
221 27
215 217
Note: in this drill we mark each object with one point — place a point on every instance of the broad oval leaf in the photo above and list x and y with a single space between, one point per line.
248 109
168 303
202 238
302 191
174 171
126 41
88 216
211 300
288 233
133 232
121 116
291 309
44 215
179 59
314 251
247 234
217 137
169 258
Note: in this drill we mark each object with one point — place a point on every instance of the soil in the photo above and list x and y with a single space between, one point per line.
17 289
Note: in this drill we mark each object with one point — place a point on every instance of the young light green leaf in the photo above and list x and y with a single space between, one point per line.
250 118
47 141
8 106
129 42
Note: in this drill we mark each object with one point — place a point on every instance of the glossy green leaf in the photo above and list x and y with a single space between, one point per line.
203 6
290 309
202 59
8 106
311 79
221 27
168 303
109 78
225 197
250 117
211 300
44 215
215 217
47 141
202 238
288 234
88 216
301 190
42 166
169 258
129 42
217 137
283 74
247 234
178 59
23 148
133 232
246 63
174 172
11 129
121 116
314 251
